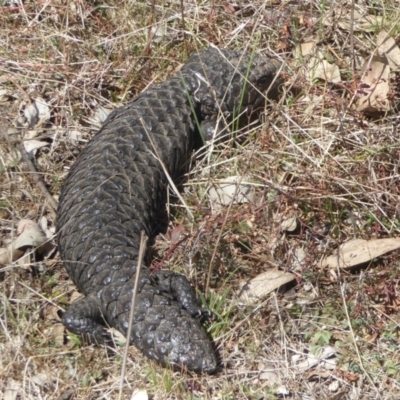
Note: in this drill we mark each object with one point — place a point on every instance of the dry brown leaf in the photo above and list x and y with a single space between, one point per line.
40 379
349 377
4 94
33 114
306 49
73 136
50 312
374 86
263 284
9 159
388 47
32 146
175 234
359 251
25 224
25 260
334 386
98 117
117 336
324 360
30 238
233 187
30 235
140 395
268 373
13 390
57 333
322 69
159 32
8 255
289 224
75 295
299 256
365 23
318 373
282 391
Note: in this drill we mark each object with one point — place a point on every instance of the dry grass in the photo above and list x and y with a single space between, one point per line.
315 157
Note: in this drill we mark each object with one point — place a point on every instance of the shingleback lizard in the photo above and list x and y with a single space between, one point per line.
118 188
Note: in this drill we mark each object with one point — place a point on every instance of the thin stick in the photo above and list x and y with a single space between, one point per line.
183 24
342 291
35 175
170 181
150 34
214 254
353 56
142 248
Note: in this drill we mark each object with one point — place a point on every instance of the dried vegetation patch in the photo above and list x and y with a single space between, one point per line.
308 198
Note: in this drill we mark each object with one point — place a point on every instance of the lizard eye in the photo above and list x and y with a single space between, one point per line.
262 81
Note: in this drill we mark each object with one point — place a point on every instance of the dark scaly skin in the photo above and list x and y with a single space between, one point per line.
117 188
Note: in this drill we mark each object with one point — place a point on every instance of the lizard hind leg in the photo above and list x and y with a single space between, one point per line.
182 291
84 317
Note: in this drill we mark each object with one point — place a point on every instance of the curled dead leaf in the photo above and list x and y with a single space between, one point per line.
140 395
387 47
373 89
32 146
75 295
30 238
57 333
40 379
268 374
50 312
35 113
4 94
306 49
117 336
289 224
30 235
25 224
233 188
324 360
98 117
322 69
73 136
360 22
9 159
159 33
359 251
13 390
299 257
263 284
8 255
